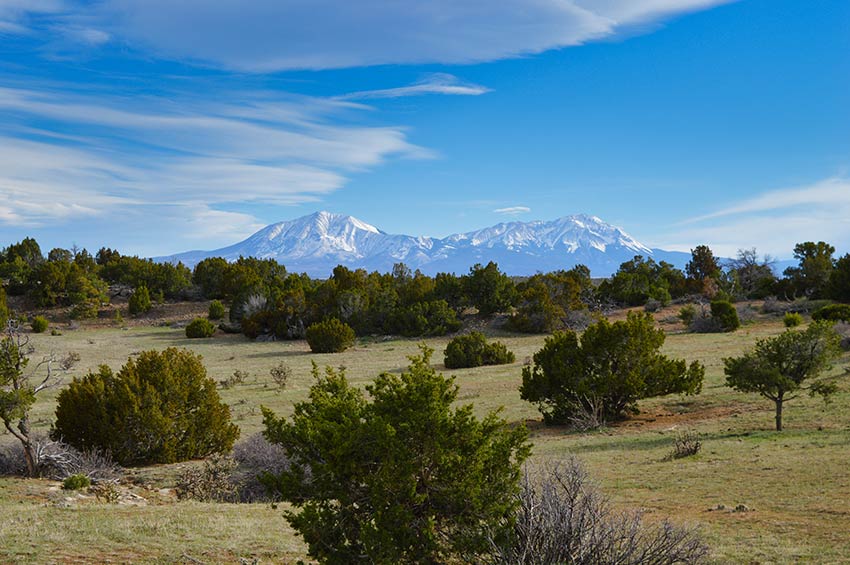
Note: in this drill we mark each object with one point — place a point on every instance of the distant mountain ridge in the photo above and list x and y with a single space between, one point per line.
316 243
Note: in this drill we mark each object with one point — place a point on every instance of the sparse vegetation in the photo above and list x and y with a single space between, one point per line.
563 518
685 444
280 374
212 482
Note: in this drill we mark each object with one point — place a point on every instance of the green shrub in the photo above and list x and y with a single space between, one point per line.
472 350
84 310
200 327
161 407
216 310
330 336
605 372
687 314
833 313
792 319
724 313
140 301
39 324
397 474
76 482
4 308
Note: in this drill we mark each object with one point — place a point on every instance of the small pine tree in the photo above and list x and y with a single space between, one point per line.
724 313
39 324
216 311
140 301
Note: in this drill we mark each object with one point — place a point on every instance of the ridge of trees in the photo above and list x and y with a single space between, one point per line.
267 299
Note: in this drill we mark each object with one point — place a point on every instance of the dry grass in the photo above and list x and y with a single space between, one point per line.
795 483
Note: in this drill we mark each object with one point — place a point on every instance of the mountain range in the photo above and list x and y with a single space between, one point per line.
315 244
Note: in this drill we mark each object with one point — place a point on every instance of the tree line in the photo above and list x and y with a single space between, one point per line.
267 299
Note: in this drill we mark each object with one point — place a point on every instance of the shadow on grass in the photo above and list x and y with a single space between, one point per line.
643 443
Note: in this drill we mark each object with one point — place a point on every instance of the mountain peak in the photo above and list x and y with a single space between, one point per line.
316 243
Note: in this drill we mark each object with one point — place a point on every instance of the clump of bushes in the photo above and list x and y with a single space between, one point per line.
472 350
161 407
792 319
140 301
76 482
39 324
216 311
200 327
833 313
330 336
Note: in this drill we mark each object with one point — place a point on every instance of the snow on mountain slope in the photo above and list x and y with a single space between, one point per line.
315 244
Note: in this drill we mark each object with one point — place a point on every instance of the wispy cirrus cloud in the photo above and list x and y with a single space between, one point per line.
513 210
68 155
436 83
274 35
773 221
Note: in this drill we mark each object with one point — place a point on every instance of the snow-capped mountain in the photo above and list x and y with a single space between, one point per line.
315 244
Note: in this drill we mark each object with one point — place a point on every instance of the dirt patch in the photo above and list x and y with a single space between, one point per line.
651 420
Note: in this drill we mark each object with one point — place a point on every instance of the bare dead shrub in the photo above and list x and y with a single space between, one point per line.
12 462
564 519
237 378
578 319
254 456
773 306
280 375
587 414
57 460
685 444
212 482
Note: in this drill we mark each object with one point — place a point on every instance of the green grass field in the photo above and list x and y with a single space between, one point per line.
796 483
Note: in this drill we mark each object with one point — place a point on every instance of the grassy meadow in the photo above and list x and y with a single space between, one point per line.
794 484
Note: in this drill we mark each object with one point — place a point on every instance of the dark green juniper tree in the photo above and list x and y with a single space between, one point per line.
400 476
606 371
780 367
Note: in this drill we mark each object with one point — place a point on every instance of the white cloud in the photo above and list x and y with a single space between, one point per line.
273 35
180 153
513 210
437 83
773 222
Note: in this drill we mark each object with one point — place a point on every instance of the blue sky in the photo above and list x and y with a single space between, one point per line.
159 126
